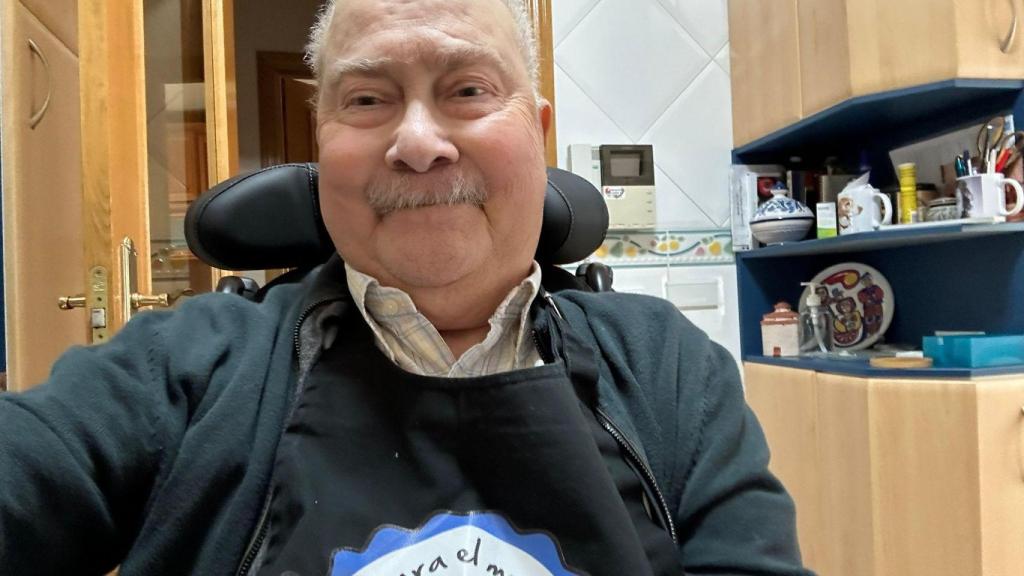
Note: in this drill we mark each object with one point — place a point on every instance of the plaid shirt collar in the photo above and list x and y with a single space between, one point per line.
411 341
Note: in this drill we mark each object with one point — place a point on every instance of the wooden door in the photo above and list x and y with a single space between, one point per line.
118 115
287 112
158 114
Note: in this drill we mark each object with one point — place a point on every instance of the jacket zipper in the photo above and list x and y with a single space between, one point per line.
632 453
253 549
645 470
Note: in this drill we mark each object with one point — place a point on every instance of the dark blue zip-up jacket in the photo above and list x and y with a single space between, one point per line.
155 451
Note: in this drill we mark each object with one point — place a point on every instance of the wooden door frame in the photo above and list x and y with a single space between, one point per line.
115 182
540 12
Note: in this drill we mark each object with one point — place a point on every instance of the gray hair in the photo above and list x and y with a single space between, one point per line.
520 14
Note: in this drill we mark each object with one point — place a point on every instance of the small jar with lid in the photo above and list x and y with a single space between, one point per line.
780 331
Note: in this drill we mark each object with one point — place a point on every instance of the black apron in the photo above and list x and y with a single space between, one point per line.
383 472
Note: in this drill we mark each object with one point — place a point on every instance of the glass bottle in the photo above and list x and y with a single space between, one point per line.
815 322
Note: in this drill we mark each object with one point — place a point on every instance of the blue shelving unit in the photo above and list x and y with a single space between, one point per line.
954 277
958 276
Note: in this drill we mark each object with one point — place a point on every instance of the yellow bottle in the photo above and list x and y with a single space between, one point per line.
908 192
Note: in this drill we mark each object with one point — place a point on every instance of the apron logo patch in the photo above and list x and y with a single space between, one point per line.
471 544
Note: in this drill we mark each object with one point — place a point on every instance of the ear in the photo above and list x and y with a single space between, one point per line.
546 113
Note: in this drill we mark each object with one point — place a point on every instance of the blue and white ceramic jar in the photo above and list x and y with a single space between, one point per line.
781 219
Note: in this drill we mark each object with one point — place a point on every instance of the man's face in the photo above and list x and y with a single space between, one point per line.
422 100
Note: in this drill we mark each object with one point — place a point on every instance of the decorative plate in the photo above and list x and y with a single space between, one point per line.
861 302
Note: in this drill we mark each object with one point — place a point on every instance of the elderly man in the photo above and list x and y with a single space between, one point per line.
419 404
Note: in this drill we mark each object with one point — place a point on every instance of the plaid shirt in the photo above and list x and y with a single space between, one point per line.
411 341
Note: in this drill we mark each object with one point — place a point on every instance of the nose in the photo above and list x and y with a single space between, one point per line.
421 143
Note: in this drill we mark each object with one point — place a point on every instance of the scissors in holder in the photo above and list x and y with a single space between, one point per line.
1010 149
990 138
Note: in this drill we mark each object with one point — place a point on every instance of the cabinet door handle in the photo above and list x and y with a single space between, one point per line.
1020 444
1007 43
37 117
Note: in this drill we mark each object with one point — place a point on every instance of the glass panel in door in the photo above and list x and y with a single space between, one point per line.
177 140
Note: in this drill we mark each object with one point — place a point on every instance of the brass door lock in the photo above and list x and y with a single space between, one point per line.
71 302
95 302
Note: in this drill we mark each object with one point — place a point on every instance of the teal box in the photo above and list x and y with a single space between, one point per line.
974 351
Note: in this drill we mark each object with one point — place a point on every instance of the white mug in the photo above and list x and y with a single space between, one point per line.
860 210
983 196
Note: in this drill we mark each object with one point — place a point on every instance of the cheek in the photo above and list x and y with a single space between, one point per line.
347 163
509 153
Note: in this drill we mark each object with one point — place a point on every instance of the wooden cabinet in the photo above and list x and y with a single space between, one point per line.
43 257
765 67
849 48
898 476
58 16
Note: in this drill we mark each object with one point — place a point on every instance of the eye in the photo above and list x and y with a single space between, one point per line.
470 92
363 101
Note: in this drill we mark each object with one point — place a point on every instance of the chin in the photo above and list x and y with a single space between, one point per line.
441 259
433 247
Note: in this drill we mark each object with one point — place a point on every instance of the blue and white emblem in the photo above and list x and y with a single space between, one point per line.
475 543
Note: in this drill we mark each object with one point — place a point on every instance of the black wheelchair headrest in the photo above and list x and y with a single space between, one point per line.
271 219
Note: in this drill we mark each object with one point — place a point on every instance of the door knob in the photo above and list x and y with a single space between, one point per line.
160 300
143 300
71 302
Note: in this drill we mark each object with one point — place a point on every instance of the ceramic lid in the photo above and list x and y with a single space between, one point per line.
948 201
782 316
781 207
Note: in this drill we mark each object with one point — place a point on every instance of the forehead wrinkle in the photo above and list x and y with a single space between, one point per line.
446 58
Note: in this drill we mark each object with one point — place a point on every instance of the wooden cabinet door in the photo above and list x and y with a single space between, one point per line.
857 47
925 477
765 63
824 55
1001 470
990 38
42 199
845 539
899 43
785 402
60 17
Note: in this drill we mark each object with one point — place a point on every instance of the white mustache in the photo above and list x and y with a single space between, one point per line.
404 192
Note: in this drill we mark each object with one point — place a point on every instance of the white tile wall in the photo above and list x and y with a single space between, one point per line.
651 72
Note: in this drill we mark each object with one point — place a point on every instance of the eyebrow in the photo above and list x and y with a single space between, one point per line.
449 58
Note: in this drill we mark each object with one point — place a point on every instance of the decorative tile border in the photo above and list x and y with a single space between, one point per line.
666 247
